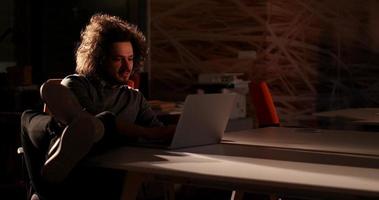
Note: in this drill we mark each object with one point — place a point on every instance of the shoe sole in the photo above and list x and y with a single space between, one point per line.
76 141
60 101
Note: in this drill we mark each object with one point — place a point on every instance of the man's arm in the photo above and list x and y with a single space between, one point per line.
147 124
149 133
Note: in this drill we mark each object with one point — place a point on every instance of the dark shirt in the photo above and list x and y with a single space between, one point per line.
96 96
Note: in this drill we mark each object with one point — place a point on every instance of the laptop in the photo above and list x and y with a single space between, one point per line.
202 121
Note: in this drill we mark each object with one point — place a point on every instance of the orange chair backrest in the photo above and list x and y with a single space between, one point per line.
264 106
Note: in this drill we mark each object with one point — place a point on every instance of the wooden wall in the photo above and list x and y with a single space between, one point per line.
315 54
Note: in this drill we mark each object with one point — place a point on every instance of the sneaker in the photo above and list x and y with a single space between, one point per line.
61 102
81 132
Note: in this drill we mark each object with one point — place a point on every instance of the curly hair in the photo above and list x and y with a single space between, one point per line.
101 31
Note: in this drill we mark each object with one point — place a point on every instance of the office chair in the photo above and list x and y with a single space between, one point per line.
30 193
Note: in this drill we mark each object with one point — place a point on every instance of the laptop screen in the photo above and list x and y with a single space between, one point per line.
203 120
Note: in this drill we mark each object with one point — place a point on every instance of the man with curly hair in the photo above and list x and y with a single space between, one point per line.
91 110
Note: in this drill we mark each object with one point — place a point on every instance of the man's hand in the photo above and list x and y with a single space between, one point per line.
164 133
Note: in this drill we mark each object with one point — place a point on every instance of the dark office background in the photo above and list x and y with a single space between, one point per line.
315 55
38 41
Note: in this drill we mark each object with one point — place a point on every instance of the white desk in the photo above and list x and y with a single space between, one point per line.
252 167
320 140
358 116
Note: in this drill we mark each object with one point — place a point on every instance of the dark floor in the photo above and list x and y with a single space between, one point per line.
13 192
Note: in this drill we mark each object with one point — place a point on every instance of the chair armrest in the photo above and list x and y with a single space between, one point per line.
20 150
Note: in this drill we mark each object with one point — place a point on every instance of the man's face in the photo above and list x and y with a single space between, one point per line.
119 62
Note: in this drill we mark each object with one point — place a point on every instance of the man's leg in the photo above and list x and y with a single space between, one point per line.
82 131
36 134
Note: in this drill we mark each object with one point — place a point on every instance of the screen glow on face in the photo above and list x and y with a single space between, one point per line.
119 62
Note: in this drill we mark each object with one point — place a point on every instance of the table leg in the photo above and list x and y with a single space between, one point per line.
170 189
132 184
237 195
